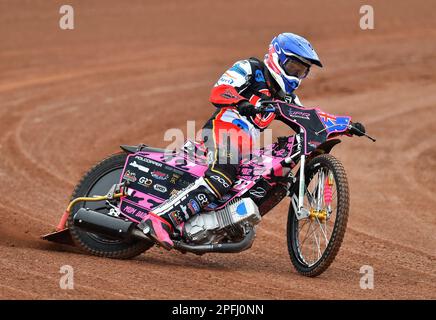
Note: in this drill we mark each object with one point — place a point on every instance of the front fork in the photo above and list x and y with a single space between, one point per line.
301 185
298 201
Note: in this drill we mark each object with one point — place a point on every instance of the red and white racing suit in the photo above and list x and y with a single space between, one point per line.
228 137
229 132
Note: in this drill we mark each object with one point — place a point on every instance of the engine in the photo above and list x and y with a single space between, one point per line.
211 227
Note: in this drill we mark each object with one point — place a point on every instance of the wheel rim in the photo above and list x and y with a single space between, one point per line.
314 233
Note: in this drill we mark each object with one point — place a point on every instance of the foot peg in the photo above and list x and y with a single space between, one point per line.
158 229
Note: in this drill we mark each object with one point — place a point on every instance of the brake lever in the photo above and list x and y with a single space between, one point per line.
370 138
267 102
363 133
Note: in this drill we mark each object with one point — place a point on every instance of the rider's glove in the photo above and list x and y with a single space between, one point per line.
357 129
245 108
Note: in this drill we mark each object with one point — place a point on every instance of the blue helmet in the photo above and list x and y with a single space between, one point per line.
289 59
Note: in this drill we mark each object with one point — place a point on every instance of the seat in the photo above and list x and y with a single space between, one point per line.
143 147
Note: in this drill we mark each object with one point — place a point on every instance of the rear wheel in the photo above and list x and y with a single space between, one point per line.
97 181
313 242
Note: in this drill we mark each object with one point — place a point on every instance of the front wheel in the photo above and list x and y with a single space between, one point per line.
98 181
313 242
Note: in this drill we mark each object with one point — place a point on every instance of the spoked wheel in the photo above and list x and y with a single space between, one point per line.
98 181
313 242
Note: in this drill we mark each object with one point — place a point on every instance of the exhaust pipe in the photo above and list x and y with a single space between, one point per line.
123 229
100 223
233 247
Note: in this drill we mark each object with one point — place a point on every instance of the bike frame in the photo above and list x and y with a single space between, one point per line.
314 129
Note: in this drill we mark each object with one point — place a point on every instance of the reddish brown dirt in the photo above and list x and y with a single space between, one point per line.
129 72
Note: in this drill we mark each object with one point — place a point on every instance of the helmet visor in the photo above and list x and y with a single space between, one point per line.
294 67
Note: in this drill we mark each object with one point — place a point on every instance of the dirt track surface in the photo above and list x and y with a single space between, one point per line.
129 72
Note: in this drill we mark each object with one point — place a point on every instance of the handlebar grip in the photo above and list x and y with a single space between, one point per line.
265 109
270 109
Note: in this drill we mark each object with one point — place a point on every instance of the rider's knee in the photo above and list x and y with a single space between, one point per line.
221 178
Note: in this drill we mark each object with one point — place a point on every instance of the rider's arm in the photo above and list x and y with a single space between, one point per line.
226 91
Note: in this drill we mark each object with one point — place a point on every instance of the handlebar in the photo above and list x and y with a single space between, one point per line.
266 106
265 109
271 106
350 126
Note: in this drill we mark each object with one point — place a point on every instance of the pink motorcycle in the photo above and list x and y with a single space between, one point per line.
118 192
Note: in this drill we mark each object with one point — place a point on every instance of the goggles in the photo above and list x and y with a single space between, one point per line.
295 67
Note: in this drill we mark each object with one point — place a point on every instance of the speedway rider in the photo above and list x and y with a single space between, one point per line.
237 92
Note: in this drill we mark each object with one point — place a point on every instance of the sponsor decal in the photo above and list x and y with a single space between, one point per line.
202 198
259 76
228 94
174 170
280 153
221 181
140 168
246 171
258 192
240 184
146 182
173 192
129 210
300 114
194 206
225 198
212 206
138 212
183 183
134 211
159 175
141 214
185 211
238 69
160 188
225 79
174 178
158 164
130 176
176 217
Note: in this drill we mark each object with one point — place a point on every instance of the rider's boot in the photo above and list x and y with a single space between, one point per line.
161 222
